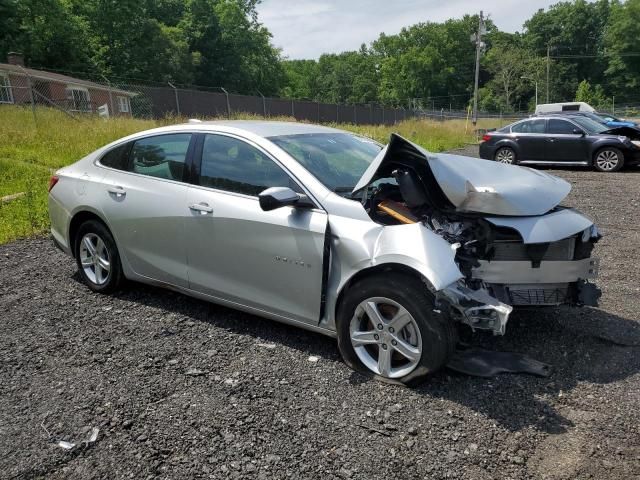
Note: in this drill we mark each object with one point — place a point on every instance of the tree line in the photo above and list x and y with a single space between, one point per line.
588 48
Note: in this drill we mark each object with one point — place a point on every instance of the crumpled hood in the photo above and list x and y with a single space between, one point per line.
470 184
632 132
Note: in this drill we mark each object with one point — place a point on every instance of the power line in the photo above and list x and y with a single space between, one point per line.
604 54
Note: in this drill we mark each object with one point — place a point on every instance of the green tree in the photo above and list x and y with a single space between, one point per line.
575 32
47 33
301 77
427 60
514 73
621 40
348 77
232 48
594 96
9 25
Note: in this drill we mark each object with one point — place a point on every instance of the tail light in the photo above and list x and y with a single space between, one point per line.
486 137
52 181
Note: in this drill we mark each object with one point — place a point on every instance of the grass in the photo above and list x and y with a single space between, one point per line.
31 150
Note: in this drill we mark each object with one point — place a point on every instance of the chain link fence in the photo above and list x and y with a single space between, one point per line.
78 95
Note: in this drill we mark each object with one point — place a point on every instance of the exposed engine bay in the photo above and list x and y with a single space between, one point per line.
501 269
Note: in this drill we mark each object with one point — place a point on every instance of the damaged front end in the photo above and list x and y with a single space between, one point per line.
514 245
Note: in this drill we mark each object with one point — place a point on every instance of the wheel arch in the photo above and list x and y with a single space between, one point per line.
380 269
598 147
507 143
80 217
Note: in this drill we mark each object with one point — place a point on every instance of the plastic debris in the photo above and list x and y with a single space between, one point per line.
313 358
270 346
194 372
93 436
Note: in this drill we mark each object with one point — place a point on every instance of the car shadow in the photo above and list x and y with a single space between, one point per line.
584 345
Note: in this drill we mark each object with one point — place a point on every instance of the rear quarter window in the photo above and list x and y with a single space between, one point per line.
116 157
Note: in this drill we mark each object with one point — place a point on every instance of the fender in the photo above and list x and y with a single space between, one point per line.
356 246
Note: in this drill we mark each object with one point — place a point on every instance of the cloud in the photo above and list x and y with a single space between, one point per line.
307 28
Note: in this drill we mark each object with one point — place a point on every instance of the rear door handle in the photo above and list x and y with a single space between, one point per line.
118 191
202 207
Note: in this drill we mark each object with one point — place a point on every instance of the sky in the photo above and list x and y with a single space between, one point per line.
309 28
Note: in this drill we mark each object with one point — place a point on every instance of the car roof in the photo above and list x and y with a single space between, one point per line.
265 128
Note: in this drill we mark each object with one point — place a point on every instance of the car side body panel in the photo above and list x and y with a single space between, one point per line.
359 245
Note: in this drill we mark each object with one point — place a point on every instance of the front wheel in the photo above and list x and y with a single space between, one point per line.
608 159
388 326
505 155
97 257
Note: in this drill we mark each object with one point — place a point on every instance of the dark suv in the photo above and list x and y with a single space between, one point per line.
562 140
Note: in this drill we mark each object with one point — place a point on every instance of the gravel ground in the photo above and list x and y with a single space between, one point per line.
184 389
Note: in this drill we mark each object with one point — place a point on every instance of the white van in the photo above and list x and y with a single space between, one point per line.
564 107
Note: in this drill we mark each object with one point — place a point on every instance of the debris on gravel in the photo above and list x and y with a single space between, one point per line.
184 389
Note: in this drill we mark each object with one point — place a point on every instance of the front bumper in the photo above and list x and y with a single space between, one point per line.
523 273
507 284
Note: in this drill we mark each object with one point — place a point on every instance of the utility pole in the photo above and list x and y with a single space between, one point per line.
535 80
478 39
548 65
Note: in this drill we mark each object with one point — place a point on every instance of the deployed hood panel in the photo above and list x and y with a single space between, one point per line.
632 132
472 185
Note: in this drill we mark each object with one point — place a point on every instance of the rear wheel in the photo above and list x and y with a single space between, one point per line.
97 257
505 155
388 327
608 159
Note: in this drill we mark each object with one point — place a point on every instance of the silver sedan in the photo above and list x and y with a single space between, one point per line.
390 249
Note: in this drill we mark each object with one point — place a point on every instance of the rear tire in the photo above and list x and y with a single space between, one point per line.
421 342
506 155
608 159
97 257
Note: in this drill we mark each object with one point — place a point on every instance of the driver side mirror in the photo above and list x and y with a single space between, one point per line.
277 197
577 131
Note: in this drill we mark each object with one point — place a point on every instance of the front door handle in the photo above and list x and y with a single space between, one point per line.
202 207
118 191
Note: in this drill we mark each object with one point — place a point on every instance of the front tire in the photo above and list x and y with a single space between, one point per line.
97 257
388 327
505 155
608 159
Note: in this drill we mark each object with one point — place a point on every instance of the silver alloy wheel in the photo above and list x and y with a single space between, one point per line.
385 337
505 155
94 258
607 160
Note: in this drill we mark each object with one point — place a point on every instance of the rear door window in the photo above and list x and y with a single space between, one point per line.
162 156
529 126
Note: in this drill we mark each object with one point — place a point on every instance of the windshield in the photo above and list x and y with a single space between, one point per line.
589 125
338 160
